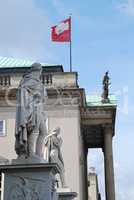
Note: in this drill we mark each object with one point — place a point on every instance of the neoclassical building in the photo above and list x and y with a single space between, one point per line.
85 122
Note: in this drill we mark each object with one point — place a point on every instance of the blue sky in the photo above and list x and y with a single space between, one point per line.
103 39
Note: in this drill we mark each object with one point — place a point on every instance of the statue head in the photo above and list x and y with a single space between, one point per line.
107 73
36 68
57 130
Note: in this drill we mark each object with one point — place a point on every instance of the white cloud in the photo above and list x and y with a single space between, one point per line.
127 7
24 30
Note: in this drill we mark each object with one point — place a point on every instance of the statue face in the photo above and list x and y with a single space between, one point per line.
37 74
57 130
36 70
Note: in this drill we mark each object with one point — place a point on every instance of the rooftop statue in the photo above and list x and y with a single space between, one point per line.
106 84
30 119
53 153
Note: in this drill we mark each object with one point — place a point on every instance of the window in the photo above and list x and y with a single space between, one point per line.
2 128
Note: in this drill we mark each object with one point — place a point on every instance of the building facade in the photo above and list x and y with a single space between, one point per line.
84 123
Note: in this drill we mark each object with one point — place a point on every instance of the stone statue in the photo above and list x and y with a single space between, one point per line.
53 153
30 119
106 84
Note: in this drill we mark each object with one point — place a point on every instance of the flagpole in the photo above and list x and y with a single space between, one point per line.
70 44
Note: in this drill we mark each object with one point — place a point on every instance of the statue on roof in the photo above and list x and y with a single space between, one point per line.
106 83
31 126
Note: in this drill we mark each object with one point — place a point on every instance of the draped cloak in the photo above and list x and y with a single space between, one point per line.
30 96
53 146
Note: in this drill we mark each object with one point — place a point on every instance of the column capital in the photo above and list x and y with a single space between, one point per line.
108 128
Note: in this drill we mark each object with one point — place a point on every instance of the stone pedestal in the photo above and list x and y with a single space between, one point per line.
29 182
66 194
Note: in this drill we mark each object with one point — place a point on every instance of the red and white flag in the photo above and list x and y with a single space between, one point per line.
62 32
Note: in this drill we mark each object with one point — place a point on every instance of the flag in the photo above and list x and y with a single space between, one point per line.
62 31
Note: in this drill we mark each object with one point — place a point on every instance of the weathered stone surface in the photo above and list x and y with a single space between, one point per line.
30 129
53 152
109 166
30 160
29 182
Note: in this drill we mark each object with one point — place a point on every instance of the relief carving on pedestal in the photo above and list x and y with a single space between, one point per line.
26 189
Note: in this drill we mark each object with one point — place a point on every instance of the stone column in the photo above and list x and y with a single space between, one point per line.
109 168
